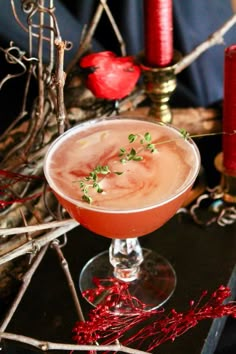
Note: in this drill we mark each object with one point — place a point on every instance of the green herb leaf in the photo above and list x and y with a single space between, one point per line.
87 198
131 155
138 158
97 188
122 151
118 173
132 137
184 133
151 147
148 137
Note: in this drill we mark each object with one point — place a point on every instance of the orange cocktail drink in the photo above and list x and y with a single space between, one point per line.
122 177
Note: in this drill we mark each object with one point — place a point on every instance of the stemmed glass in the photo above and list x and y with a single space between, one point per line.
123 178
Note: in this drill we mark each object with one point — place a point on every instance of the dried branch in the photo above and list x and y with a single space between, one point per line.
115 27
33 228
33 246
46 346
40 116
31 7
60 82
15 56
25 283
214 39
87 38
65 267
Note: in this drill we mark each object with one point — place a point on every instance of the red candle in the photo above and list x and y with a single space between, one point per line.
229 111
158 32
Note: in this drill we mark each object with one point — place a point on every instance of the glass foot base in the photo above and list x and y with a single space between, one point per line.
154 286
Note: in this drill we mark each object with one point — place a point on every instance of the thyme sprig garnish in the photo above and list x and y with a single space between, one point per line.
145 141
92 181
95 177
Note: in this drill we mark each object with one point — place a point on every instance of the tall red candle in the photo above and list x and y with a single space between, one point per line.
158 32
229 111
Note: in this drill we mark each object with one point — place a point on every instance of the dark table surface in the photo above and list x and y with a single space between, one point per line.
204 259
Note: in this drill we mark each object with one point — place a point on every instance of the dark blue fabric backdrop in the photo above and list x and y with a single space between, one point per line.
194 21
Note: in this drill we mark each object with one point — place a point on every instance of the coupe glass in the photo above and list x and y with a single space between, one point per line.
123 178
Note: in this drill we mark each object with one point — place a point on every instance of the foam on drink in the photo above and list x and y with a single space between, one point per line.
155 179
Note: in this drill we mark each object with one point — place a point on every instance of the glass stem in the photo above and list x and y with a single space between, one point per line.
126 256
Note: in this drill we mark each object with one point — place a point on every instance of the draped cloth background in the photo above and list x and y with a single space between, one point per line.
194 21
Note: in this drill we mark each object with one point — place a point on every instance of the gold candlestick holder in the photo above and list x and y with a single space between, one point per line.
228 181
159 84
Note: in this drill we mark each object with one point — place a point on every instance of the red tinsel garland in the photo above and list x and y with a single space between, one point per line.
106 326
7 180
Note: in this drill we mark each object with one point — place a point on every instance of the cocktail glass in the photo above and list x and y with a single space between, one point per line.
123 178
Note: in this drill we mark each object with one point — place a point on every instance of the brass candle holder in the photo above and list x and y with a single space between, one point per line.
228 181
159 84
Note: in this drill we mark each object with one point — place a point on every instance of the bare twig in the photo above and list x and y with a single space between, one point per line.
31 7
213 39
40 117
33 228
36 244
115 27
21 115
15 56
86 40
25 283
45 345
60 82
65 267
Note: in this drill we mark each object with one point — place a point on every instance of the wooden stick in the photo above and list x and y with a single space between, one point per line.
66 270
45 345
33 246
25 283
213 39
86 41
32 228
